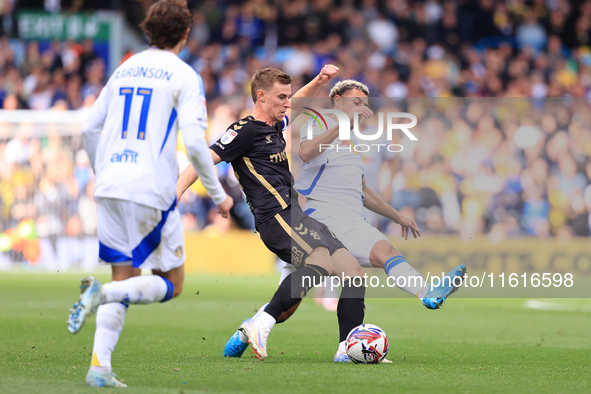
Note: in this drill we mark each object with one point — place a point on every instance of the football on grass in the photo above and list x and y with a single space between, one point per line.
367 344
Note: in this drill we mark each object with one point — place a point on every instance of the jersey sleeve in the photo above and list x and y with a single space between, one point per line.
98 112
92 127
235 142
192 108
316 130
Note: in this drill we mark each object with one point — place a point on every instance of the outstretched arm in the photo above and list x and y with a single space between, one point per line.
309 91
189 176
310 149
192 120
374 203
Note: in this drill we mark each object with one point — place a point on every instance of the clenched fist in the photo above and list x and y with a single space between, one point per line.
328 72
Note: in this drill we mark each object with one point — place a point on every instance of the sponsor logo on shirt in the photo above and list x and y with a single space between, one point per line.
128 156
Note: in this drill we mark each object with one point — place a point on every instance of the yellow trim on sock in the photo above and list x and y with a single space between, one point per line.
95 361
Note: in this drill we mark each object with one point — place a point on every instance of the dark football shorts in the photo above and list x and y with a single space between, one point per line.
292 235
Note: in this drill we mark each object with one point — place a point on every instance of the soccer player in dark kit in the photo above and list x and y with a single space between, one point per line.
256 149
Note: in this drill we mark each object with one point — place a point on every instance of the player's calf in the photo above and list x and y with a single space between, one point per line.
176 276
288 313
110 319
400 272
290 292
145 289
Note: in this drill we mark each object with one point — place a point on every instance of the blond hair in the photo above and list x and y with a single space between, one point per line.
342 87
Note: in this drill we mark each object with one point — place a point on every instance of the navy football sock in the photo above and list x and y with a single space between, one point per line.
297 283
351 308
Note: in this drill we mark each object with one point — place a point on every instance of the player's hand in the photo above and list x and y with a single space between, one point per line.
408 225
328 72
363 111
224 208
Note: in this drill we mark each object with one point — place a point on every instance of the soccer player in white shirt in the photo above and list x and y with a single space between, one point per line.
140 111
336 192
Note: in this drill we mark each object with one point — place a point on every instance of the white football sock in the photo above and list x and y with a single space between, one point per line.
109 323
266 320
343 347
260 311
144 289
243 337
407 278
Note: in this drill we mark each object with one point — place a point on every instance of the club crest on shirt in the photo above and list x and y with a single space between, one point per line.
228 136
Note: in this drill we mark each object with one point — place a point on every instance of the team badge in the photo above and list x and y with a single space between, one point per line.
268 138
179 252
228 136
314 235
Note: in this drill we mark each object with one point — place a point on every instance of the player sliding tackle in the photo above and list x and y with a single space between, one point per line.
256 148
140 111
335 189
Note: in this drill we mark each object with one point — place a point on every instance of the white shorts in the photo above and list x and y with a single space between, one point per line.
350 227
138 235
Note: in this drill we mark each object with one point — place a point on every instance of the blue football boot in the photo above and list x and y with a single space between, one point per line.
436 296
235 347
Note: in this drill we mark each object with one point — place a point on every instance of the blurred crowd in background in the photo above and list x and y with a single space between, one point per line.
472 176
399 48
500 168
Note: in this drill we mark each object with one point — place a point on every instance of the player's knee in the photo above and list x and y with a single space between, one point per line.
346 264
178 289
124 272
355 271
381 252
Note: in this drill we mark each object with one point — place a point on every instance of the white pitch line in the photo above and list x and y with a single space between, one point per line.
555 306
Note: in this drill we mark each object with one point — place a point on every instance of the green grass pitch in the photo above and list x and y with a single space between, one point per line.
469 346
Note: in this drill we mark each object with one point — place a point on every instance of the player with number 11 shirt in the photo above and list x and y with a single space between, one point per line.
130 137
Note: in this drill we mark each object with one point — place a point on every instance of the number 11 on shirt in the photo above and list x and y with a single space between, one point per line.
128 93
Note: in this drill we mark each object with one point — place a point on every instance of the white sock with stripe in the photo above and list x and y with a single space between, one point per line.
109 323
405 277
144 289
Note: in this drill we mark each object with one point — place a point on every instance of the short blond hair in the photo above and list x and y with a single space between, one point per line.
264 80
343 87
